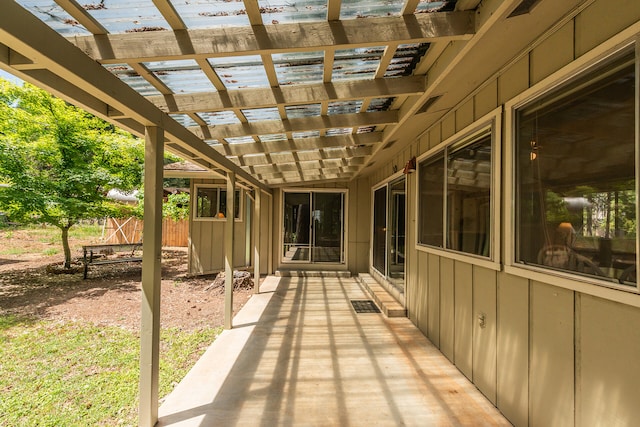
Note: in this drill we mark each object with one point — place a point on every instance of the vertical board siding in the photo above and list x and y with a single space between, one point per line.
433 314
422 296
463 312
600 21
608 359
447 307
513 349
551 376
552 54
484 334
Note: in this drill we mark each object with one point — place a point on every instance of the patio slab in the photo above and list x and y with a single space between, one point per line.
299 355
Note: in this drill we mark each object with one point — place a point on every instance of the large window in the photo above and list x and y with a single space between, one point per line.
576 176
211 203
455 213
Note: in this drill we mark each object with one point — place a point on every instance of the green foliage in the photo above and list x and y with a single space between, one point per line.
60 161
176 207
74 374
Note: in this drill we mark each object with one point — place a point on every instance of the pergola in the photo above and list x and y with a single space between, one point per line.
262 94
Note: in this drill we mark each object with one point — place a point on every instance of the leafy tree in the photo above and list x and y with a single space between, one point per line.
176 206
60 161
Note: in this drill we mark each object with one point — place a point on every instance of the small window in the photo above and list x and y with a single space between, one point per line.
455 213
576 176
212 203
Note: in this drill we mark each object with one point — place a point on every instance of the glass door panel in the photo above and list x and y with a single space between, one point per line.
327 227
395 257
297 227
380 229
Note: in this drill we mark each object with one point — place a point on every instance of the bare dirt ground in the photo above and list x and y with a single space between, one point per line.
32 286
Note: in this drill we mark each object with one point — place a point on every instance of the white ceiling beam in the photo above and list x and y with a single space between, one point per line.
281 38
302 124
290 95
24 33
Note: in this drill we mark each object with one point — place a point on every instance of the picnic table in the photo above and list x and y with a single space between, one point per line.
110 254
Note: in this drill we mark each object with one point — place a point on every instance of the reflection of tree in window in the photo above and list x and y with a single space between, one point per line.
576 170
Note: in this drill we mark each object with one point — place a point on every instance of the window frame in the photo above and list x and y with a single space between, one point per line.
220 189
581 67
488 125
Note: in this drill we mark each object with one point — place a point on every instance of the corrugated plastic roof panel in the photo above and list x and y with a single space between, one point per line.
211 13
308 110
260 114
128 75
54 16
238 72
299 68
220 118
280 12
183 76
357 64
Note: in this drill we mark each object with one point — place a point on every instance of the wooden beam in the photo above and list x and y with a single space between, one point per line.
253 12
302 124
409 7
151 278
300 144
290 95
170 15
84 18
268 39
333 10
229 238
257 239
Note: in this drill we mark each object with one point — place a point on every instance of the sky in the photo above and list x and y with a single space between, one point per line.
10 77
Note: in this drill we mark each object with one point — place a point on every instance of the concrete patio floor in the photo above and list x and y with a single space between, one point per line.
299 355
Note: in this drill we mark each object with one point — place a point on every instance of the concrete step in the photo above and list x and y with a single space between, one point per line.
312 273
387 303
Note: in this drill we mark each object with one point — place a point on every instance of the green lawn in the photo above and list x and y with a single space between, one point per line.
74 374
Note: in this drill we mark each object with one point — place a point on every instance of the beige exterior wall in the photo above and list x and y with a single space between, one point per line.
206 242
547 352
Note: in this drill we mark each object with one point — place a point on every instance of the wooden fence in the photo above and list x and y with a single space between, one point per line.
129 230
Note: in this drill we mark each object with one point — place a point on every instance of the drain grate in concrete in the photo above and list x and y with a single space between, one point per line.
364 306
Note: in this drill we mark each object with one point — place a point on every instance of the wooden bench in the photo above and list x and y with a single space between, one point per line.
102 254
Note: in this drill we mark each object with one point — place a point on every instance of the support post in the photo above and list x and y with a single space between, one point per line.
151 257
257 241
228 250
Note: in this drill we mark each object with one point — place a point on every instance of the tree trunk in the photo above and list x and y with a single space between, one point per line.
65 246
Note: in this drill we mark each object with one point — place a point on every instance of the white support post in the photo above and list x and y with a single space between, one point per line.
257 219
228 250
151 270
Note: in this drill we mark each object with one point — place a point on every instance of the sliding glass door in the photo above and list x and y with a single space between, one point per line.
313 227
389 217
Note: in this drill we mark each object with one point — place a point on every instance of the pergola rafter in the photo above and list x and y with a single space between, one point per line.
289 95
148 46
302 124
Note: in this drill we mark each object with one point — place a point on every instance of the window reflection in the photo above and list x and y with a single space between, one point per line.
576 176
469 198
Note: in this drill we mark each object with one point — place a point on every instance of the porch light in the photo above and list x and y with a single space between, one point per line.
410 167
